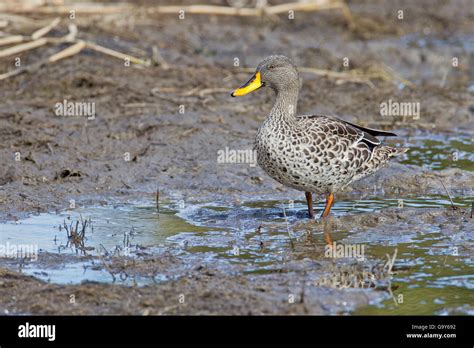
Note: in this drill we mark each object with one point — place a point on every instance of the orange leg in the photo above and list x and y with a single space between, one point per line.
309 200
329 203
328 238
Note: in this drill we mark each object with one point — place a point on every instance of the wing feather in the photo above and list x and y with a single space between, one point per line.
350 130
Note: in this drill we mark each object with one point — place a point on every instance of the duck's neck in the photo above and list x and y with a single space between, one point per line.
284 108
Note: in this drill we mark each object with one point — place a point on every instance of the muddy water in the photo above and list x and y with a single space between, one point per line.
431 273
256 236
178 154
430 279
438 151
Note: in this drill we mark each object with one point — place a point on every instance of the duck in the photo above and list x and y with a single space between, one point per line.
316 154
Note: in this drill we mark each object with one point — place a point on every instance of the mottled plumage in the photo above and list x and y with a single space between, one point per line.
318 153
311 153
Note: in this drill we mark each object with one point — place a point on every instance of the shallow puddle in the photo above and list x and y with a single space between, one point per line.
225 235
430 280
438 151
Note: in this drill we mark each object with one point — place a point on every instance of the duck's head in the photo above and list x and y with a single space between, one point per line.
276 72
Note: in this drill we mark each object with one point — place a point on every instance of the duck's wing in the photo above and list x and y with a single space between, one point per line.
345 129
371 131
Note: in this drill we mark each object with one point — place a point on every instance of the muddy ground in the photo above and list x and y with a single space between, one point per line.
138 112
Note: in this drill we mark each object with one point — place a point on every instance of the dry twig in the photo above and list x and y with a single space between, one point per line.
105 8
76 47
43 31
23 47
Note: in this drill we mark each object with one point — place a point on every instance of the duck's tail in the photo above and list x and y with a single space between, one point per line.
380 157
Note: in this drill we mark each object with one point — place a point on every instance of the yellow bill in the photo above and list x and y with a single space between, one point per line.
254 83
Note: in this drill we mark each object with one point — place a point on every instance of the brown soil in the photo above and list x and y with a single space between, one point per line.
72 158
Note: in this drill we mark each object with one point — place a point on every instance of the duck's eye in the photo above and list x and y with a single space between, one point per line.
271 67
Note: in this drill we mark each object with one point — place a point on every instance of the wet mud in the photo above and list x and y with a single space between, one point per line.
241 243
